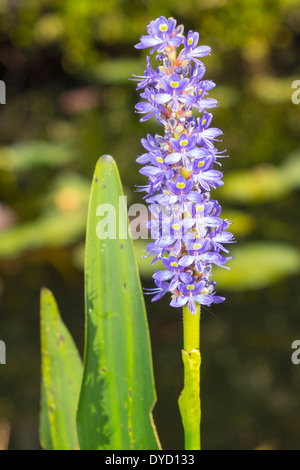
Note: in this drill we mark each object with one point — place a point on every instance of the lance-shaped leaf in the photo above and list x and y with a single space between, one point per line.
118 393
61 379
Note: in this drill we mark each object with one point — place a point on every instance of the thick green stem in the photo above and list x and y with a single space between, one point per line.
189 400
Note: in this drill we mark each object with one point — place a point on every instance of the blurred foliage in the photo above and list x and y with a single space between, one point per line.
26 157
66 66
257 264
264 182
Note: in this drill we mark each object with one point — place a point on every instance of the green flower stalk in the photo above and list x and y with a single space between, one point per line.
189 400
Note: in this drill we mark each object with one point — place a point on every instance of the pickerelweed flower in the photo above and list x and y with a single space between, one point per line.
185 225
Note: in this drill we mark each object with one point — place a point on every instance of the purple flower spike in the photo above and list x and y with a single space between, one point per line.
188 232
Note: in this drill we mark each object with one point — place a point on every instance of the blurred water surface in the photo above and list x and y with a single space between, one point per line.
66 67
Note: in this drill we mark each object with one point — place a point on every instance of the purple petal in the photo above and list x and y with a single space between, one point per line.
179 301
217 299
173 158
201 51
186 278
163 275
186 260
192 307
162 98
203 299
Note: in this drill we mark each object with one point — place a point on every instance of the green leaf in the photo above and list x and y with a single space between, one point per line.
27 156
118 394
116 71
279 88
61 379
52 230
263 183
290 170
243 222
61 223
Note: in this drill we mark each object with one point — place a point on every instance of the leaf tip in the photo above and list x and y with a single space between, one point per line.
104 163
45 292
106 159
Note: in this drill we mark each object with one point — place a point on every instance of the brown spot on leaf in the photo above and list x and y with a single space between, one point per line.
61 339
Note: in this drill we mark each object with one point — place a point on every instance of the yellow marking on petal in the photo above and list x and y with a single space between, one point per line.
201 163
183 143
197 246
204 122
174 264
200 91
159 160
180 185
190 287
176 227
199 208
174 84
163 27
152 97
190 41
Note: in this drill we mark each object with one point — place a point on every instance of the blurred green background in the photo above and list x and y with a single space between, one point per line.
66 66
